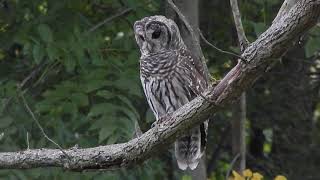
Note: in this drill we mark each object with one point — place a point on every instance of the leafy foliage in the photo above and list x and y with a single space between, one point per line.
83 86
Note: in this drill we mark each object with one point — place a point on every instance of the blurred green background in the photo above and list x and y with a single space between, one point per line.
83 86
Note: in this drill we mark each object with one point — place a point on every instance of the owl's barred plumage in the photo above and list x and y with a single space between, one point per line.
170 78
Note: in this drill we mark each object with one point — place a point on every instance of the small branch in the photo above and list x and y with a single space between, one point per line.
220 50
109 19
28 144
22 85
243 41
39 125
234 160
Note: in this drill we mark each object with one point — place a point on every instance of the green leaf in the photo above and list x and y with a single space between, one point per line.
105 94
186 177
5 122
53 52
43 106
69 63
102 108
130 105
45 33
128 84
104 133
80 99
259 28
312 46
37 53
97 123
68 108
112 139
94 85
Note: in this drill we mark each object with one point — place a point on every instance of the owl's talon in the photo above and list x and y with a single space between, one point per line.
244 60
209 100
153 124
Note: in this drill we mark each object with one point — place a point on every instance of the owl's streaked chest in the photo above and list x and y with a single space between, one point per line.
158 65
166 95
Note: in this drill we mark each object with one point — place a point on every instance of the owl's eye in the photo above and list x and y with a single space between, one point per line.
141 37
156 34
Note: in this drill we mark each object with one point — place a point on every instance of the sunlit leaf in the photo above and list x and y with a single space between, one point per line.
280 177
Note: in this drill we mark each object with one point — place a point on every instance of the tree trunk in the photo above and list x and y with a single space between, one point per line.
190 10
238 134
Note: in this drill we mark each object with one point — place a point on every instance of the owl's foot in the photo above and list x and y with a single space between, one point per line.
206 99
243 60
153 124
156 123
164 118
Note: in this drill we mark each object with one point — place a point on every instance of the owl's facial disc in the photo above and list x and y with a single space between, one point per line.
157 37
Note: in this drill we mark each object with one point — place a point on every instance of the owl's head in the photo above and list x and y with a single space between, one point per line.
156 34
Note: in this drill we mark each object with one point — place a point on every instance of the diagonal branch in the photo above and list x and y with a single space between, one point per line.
39 125
261 53
285 8
109 19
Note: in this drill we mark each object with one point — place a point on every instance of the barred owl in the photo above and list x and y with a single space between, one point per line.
171 76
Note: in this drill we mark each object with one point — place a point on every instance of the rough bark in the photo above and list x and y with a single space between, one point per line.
260 54
285 8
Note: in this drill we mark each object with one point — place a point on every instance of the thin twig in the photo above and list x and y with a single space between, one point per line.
234 160
28 144
107 20
33 74
220 50
39 125
243 41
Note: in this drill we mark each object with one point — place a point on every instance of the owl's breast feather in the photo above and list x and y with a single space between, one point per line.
159 65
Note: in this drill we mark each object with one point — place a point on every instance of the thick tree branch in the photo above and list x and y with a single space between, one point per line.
285 8
261 53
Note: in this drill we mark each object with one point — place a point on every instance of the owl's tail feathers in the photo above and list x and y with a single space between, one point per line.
190 147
